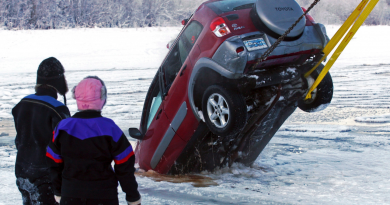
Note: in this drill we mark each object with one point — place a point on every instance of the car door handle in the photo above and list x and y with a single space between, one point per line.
182 71
158 114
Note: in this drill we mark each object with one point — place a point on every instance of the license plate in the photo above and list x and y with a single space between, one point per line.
255 44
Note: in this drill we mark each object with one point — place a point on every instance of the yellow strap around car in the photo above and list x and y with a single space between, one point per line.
337 37
340 33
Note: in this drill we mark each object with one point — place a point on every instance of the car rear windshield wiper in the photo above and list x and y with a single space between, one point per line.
245 6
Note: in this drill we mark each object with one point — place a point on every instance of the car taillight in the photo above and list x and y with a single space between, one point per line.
308 17
219 27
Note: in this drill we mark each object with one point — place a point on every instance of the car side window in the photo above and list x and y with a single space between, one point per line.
180 51
188 39
152 103
172 65
156 102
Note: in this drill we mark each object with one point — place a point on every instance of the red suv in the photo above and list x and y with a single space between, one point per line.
210 104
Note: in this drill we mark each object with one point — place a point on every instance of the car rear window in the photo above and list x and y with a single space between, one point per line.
187 40
220 7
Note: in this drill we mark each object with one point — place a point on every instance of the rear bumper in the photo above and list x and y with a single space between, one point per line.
312 41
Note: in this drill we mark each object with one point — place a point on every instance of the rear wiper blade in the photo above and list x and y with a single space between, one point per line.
245 6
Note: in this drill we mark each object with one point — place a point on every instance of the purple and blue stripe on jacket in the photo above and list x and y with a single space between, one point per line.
97 127
124 156
55 157
45 98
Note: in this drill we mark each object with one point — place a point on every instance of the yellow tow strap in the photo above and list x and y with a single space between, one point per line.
337 37
340 33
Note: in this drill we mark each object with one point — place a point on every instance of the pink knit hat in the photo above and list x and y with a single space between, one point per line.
90 94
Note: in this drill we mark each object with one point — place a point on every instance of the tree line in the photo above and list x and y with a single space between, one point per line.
59 14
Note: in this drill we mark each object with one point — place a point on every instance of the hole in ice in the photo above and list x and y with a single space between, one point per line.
195 180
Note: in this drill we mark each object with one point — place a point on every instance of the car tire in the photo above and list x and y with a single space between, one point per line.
218 104
323 94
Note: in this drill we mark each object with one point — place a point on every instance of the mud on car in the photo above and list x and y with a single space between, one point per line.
211 104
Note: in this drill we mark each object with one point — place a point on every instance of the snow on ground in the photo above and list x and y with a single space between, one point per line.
374 119
337 156
85 49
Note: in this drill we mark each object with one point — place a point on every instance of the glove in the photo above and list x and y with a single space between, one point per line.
57 198
135 203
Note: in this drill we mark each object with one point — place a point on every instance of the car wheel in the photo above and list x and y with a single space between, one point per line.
321 96
224 110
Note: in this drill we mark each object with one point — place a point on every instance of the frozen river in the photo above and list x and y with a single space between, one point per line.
338 156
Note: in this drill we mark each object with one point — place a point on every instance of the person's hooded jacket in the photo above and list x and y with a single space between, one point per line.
35 118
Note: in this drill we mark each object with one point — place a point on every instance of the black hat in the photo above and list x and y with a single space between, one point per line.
51 72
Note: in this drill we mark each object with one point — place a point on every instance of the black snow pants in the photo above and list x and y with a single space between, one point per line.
77 201
38 192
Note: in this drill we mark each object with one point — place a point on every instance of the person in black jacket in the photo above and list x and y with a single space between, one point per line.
35 118
83 148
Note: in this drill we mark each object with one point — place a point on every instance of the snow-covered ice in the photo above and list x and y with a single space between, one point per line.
340 155
374 119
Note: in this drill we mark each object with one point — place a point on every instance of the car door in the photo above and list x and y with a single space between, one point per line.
154 124
162 145
176 102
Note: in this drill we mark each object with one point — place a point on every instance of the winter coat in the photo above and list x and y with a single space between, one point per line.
80 156
35 118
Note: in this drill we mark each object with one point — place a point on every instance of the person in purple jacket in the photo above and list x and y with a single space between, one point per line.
83 148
